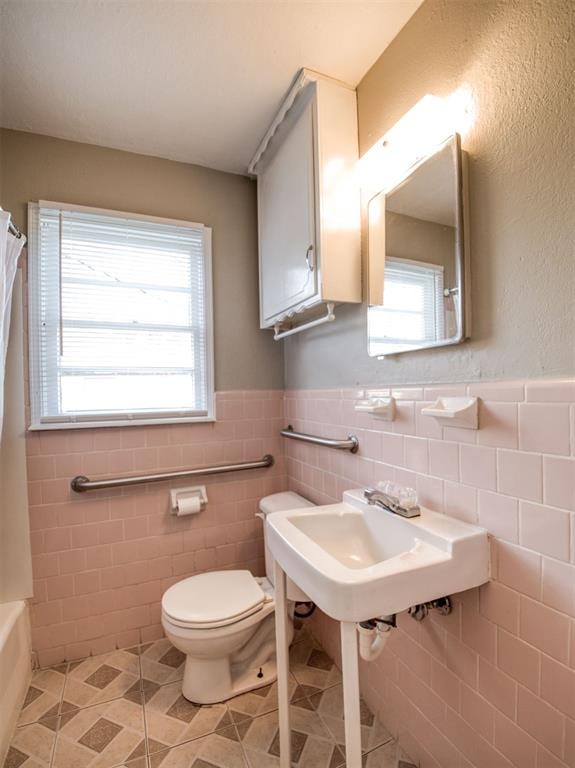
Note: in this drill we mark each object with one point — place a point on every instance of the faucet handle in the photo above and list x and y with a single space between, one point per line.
403 502
382 499
403 496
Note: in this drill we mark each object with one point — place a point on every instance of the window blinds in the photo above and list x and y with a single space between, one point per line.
412 310
120 317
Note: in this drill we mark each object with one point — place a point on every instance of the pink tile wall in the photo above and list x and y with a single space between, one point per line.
101 560
492 685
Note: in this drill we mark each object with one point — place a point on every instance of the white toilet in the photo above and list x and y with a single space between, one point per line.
224 622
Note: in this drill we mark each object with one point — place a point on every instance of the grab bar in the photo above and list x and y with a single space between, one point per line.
80 484
350 444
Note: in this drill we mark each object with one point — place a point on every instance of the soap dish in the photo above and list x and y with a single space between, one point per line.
455 412
382 407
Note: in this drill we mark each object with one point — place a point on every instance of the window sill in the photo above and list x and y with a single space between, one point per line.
57 425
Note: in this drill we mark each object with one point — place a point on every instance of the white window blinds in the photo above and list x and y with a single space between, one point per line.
412 311
120 318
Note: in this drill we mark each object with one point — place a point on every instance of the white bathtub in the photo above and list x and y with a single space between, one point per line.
15 667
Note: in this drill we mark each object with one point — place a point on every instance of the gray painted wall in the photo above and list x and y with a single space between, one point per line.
36 167
515 56
421 240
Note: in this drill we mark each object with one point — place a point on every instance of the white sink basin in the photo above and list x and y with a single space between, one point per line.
357 561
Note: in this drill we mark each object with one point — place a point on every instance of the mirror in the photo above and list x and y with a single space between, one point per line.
417 264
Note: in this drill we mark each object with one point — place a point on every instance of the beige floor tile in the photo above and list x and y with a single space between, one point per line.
382 757
171 719
220 750
329 704
139 762
312 744
304 692
138 650
301 631
101 736
43 696
259 701
310 665
126 709
138 757
32 745
404 760
101 678
161 663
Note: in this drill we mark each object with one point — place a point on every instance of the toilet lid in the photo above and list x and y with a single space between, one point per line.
214 599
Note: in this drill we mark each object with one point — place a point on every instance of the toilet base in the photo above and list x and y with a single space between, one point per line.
252 679
199 686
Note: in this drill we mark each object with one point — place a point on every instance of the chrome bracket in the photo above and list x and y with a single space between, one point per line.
443 605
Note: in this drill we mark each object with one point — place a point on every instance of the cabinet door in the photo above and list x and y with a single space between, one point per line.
286 202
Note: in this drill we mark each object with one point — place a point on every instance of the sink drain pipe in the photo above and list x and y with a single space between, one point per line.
373 636
304 610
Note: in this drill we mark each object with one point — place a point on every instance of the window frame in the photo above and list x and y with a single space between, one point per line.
435 270
121 419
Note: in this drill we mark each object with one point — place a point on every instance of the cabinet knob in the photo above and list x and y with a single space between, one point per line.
308 258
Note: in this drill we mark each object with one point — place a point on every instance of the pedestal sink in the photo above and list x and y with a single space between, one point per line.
357 561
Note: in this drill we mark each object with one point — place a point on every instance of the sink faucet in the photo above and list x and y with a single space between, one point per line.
390 503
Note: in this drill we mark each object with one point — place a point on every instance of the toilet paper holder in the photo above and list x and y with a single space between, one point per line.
180 494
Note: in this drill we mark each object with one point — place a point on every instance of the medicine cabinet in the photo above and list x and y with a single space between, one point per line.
418 258
308 206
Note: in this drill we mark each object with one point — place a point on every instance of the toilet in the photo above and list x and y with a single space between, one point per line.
223 621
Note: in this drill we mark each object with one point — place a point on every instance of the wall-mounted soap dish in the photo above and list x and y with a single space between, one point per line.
455 412
382 407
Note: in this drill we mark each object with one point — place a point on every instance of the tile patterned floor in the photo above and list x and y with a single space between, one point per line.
126 709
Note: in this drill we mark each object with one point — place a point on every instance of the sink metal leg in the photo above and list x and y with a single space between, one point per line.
350 671
282 655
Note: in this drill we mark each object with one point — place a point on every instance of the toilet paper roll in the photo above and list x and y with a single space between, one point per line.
189 506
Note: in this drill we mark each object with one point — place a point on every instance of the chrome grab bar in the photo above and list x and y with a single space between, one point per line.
350 444
80 484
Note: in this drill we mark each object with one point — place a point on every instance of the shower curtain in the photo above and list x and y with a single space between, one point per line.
10 248
15 555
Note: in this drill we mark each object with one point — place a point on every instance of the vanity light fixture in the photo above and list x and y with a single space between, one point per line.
415 136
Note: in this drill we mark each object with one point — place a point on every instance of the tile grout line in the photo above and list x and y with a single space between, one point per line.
247 763
59 719
53 750
342 746
143 705
194 738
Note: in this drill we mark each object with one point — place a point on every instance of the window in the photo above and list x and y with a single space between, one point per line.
412 311
120 318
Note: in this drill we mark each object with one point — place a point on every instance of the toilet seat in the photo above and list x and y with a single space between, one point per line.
214 599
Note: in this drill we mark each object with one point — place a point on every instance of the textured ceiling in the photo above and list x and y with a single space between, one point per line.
195 81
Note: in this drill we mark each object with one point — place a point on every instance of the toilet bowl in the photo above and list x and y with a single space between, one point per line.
224 622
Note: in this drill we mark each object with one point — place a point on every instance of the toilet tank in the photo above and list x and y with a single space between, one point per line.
278 502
